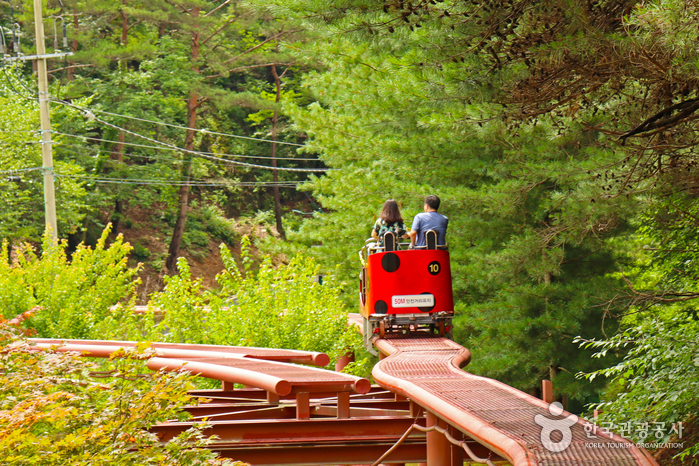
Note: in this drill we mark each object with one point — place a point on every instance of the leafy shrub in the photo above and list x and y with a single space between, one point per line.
76 295
193 237
658 379
140 252
218 225
273 307
53 412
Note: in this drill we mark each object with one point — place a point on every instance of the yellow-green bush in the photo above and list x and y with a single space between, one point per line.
74 294
54 412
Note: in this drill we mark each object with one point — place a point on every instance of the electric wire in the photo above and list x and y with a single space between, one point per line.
171 149
20 170
14 89
156 182
204 131
193 182
74 149
141 168
88 114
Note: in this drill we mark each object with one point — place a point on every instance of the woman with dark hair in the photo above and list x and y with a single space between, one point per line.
389 220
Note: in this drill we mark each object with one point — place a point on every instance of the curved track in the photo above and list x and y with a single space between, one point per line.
427 371
299 415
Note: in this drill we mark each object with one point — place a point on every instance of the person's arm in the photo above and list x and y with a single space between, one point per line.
414 229
375 230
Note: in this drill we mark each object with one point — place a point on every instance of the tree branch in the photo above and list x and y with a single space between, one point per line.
217 31
249 67
70 67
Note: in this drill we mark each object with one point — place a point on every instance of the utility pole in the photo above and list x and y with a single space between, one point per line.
46 143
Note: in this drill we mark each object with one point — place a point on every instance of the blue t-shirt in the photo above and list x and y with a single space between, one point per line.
427 221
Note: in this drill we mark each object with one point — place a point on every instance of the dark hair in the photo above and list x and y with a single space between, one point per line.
390 212
432 201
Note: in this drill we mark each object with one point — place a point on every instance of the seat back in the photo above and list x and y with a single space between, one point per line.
431 239
389 241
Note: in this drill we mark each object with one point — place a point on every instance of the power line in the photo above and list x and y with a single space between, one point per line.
141 168
20 170
12 86
178 150
64 145
92 116
156 182
204 131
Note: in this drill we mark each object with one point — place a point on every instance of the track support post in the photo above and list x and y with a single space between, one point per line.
438 447
343 405
547 391
303 406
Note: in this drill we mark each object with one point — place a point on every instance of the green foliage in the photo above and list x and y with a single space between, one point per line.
53 411
140 252
658 379
21 177
74 295
218 225
405 112
274 307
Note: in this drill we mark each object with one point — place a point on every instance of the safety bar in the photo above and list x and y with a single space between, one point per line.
374 249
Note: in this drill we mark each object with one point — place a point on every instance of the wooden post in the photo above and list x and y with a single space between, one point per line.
46 143
343 361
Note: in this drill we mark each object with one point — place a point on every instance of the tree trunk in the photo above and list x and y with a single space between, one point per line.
76 26
275 118
124 34
118 156
176 241
118 153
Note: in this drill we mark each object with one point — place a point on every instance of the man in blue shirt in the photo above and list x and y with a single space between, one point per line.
430 219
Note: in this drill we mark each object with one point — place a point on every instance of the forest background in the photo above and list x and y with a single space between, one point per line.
560 136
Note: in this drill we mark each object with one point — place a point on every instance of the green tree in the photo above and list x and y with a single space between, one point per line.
193 66
657 380
402 112
21 186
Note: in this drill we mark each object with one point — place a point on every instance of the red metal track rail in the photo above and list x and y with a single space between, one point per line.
501 418
303 415
270 354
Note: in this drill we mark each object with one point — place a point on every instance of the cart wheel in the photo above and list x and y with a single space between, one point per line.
382 329
441 328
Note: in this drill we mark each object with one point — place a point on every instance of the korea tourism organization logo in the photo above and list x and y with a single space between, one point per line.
556 433
549 426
